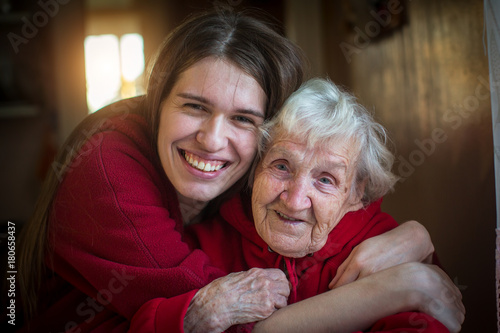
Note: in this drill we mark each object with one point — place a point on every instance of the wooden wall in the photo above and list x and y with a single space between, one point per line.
427 82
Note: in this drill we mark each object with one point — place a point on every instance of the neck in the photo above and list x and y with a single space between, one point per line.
190 209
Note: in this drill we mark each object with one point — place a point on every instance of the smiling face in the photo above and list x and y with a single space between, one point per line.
208 129
301 193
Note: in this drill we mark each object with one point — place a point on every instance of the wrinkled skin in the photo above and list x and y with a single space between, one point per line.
300 193
237 298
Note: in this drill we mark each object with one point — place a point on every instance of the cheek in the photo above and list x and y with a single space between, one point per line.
166 131
171 131
263 193
328 217
245 143
266 189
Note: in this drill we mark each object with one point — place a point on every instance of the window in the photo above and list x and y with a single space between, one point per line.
114 68
114 56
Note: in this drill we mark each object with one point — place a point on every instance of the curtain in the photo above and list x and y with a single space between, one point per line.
492 27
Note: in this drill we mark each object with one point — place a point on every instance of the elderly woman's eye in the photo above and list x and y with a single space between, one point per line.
326 180
281 167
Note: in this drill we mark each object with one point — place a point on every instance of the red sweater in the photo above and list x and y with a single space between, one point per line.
117 236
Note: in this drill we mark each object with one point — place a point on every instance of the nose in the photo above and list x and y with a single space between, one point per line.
212 134
296 195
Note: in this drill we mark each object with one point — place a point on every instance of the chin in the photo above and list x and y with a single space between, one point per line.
291 252
197 194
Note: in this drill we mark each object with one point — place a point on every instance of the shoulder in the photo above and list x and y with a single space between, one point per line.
123 120
113 146
114 133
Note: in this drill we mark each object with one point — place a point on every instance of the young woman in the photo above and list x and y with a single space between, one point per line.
108 230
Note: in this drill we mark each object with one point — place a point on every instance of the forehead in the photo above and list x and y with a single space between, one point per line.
327 155
218 78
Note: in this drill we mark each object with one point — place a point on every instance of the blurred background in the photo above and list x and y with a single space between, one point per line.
421 66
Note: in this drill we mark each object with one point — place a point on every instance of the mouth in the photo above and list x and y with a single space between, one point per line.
288 218
202 164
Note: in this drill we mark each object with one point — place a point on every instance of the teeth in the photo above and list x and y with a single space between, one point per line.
286 217
201 165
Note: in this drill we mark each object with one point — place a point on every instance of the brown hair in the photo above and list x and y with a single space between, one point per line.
253 44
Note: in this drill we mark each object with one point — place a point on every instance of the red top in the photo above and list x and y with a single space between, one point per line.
117 236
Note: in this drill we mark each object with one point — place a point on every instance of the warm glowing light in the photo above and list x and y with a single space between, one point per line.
132 56
114 68
102 63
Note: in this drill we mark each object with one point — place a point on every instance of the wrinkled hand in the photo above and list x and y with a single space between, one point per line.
429 289
409 242
237 298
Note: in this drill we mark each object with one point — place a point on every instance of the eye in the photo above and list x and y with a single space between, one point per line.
243 119
325 180
194 106
281 167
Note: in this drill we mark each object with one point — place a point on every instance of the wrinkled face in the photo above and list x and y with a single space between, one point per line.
208 129
300 194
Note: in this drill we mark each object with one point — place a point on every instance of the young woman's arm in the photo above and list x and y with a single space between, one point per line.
358 305
409 242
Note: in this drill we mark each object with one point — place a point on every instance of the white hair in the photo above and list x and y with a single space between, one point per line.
320 112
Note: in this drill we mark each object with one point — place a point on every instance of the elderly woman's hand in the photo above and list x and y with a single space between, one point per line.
237 298
409 242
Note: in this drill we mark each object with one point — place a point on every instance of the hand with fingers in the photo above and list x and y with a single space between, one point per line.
424 288
237 298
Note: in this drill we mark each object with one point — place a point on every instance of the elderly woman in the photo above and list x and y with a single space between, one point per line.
315 197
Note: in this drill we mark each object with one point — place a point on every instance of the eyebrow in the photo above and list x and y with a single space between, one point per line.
333 164
327 164
203 100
